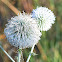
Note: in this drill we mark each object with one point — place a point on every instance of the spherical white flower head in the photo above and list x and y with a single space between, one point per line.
45 18
22 31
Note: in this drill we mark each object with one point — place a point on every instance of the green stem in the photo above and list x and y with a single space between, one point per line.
7 54
30 53
20 56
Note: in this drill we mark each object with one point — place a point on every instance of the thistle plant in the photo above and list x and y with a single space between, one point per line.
44 17
24 31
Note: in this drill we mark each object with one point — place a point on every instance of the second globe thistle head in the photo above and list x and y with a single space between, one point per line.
45 18
22 31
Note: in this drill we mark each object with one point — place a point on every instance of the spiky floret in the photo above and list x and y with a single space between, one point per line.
22 31
45 18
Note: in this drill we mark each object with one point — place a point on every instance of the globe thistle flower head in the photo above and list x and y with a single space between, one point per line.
45 18
22 31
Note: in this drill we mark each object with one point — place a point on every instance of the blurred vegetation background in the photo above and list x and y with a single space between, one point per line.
49 48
